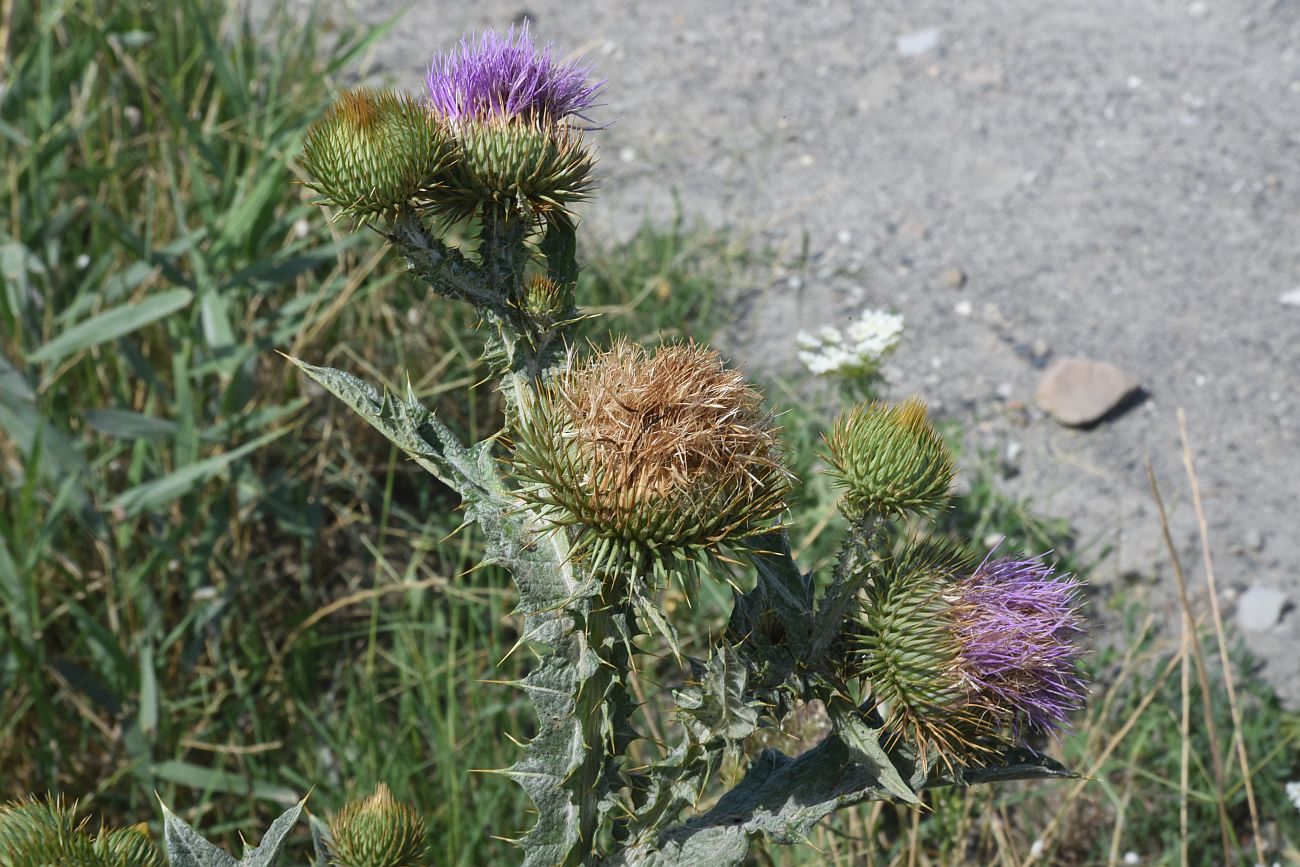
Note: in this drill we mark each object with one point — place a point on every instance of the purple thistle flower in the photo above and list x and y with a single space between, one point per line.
505 76
1015 623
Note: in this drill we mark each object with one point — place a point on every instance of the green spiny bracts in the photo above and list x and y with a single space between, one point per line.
512 164
656 458
903 648
378 831
45 834
128 847
375 150
889 460
544 301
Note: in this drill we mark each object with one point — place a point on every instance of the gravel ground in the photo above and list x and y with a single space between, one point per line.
1115 179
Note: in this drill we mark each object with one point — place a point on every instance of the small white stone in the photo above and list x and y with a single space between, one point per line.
1133 82
1132 858
1199 9
806 159
918 43
844 236
963 308
1292 298
1260 608
627 155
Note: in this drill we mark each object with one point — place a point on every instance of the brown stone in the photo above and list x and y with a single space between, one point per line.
1079 391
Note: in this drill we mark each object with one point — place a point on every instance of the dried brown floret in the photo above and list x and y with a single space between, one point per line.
655 457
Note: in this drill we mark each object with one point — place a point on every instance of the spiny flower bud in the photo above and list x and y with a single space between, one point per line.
889 459
374 150
128 847
46 833
958 657
505 164
543 299
378 832
655 458
509 77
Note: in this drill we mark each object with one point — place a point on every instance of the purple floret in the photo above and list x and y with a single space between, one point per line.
507 76
1016 623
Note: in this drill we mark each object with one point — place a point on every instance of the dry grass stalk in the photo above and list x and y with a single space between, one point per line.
1233 708
1202 674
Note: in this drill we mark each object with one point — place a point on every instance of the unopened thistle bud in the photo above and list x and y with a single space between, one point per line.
958 658
378 831
889 460
128 847
655 458
46 833
374 150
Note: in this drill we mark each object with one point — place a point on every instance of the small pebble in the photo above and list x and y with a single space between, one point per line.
1292 298
963 308
954 278
1260 608
918 43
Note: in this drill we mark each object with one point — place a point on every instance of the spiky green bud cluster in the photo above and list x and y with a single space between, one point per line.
904 650
544 300
510 162
889 460
46 834
656 459
378 831
374 150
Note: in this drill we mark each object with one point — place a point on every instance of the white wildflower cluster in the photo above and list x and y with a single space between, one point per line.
858 349
1293 792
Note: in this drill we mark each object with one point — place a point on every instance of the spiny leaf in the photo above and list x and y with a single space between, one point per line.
864 746
187 848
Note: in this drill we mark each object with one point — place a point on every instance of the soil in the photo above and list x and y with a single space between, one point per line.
1113 179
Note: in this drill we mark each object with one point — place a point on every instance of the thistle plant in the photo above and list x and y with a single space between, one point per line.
624 474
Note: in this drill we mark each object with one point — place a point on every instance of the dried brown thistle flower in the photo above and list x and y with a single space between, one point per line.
656 458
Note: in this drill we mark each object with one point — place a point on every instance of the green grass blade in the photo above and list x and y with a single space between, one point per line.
111 324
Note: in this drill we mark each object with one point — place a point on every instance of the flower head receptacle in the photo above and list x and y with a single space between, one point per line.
375 150
511 107
889 460
962 657
656 459
507 165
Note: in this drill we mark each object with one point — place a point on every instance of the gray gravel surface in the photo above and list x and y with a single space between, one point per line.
1116 179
